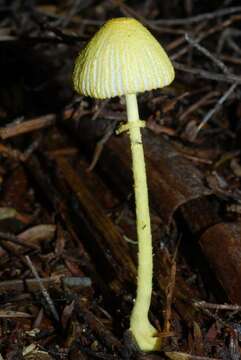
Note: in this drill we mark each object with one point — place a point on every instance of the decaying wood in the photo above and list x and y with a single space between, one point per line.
111 240
27 126
172 179
221 244
18 286
174 182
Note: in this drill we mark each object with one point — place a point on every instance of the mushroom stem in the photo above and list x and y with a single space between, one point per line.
144 333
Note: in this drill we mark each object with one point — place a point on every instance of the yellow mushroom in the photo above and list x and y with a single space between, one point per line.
123 58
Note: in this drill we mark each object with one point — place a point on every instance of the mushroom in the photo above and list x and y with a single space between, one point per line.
123 58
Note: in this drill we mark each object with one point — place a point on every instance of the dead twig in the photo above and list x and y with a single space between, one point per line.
99 110
227 36
201 102
215 109
224 69
198 18
207 74
207 53
14 239
207 305
27 126
43 289
99 146
208 32
230 59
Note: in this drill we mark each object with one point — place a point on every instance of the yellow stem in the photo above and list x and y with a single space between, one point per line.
140 326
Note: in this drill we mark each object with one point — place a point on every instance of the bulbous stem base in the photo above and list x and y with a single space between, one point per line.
145 334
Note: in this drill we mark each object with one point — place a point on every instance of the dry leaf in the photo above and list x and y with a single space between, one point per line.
32 352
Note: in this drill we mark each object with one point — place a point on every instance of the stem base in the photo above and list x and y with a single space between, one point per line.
145 334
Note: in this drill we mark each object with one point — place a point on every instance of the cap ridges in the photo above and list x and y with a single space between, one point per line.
122 58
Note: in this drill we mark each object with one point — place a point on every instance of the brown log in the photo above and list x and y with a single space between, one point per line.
172 179
174 182
221 244
108 237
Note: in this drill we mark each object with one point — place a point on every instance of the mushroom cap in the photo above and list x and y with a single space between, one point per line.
122 58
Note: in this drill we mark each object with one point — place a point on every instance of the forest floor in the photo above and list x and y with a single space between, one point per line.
67 220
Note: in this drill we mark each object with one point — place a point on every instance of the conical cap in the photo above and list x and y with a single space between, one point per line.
122 58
